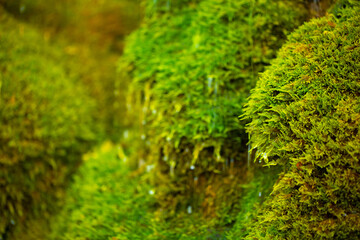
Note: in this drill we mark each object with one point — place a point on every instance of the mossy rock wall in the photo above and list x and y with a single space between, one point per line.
305 115
192 65
45 122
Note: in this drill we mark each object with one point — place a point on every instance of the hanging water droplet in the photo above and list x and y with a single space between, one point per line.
195 179
192 167
154 111
187 150
189 209
165 158
149 168
124 159
143 137
12 222
344 214
141 162
126 134
143 122
22 8
259 194
171 170
210 80
151 192
249 155
144 109
168 138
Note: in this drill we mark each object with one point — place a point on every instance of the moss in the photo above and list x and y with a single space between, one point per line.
108 200
92 35
305 115
45 125
192 65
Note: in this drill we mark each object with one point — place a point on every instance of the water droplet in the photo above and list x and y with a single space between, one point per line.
12 222
144 109
171 170
143 122
149 168
344 214
143 137
165 158
168 138
187 150
189 209
249 155
151 192
259 194
124 159
128 106
22 8
192 167
210 79
154 111
141 162
232 160
126 134
195 179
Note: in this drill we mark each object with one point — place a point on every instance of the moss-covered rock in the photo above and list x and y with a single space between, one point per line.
305 116
45 124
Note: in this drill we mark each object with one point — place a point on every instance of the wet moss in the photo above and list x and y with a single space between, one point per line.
305 116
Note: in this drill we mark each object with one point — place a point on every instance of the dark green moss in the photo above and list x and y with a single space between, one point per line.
305 115
45 119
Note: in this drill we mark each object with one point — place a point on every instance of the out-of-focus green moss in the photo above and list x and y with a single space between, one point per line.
192 65
91 34
305 115
45 122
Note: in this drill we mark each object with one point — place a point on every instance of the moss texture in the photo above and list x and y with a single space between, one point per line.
192 65
305 115
46 124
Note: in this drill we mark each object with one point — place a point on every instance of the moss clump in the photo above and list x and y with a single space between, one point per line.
192 65
305 116
92 35
45 122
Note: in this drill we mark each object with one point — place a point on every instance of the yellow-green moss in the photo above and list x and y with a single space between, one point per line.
45 122
305 115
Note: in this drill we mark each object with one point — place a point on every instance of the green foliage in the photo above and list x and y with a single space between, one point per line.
305 115
192 65
45 121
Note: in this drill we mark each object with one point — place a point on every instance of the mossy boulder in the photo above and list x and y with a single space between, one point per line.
192 65
45 122
305 116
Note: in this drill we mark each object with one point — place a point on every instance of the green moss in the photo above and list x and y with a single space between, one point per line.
110 201
46 124
192 65
305 115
